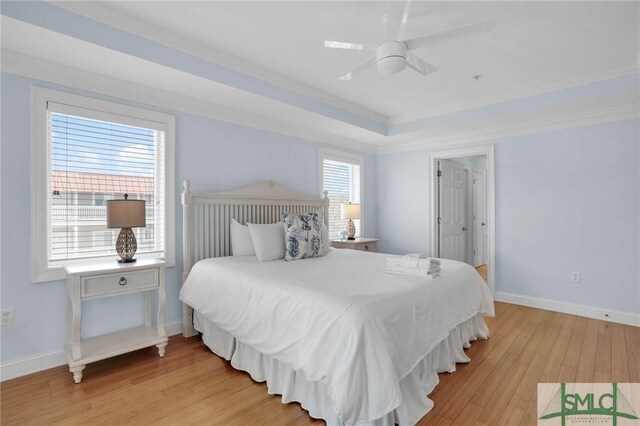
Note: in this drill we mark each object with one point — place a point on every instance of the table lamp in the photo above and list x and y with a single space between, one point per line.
126 214
350 211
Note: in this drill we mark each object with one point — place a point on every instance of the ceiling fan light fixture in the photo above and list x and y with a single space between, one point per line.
391 64
391 57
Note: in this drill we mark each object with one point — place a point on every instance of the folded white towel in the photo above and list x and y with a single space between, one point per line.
413 261
413 264
413 272
423 269
410 260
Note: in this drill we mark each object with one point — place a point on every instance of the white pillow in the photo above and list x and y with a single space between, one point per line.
326 244
241 244
268 240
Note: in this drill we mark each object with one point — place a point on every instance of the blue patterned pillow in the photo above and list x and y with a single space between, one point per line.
303 235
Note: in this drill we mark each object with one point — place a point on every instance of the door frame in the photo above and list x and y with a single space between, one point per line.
473 201
449 154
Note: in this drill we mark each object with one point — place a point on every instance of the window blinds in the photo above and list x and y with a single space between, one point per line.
342 181
92 160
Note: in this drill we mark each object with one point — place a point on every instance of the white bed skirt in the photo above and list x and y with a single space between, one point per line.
281 379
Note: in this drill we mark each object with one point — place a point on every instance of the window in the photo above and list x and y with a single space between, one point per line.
341 178
102 241
85 153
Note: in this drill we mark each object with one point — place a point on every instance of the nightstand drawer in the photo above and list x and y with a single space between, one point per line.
99 285
368 247
362 244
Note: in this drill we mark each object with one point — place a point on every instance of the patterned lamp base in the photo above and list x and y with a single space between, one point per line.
126 246
351 227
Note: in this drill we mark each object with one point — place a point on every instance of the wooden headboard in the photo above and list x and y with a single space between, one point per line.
206 221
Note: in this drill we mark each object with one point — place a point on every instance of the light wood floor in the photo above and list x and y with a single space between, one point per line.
483 271
190 385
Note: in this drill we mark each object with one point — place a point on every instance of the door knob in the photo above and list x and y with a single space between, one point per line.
483 224
464 228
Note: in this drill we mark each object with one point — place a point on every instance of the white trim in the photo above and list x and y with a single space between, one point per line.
628 318
345 157
533 91
556 122
41 271
473 225
31 364
99 12
487 150
28 66
46 360
173 328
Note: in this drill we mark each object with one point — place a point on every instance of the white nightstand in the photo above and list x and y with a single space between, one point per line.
92 281
364 244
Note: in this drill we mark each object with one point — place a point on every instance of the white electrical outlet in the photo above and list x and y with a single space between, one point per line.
7 316
575 277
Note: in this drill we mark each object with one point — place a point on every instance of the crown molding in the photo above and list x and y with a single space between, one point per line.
104 14
28 66
99 12
618 113
533 91
38 69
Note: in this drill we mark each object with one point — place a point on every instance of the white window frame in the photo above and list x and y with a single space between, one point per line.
40 269
344 157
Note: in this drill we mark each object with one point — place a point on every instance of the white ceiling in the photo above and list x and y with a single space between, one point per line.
535 45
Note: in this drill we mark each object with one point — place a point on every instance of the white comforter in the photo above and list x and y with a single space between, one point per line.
339 318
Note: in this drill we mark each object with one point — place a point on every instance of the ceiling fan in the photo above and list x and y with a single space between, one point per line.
392 56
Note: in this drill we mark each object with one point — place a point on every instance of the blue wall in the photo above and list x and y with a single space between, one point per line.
214 155
565 201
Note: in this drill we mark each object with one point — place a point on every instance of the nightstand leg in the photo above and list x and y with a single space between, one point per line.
162 297
161 347
76 323
77 372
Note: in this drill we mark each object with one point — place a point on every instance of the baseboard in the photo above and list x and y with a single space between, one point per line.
44 361
173 328
628 318
31 364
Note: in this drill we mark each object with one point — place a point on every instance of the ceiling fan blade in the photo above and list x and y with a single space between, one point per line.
348 46
357 70
419 65
460 31
403 23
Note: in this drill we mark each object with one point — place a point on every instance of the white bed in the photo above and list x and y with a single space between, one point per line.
352 344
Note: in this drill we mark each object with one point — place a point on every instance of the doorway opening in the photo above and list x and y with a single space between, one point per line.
462 208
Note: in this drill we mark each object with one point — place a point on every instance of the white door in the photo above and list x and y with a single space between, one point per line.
452 210
479 218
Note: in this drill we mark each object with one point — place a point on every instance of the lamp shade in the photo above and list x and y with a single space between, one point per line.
350 211
125 214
